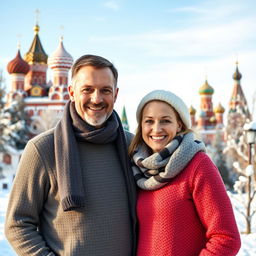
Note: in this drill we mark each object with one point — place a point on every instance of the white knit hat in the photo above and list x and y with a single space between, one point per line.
176 102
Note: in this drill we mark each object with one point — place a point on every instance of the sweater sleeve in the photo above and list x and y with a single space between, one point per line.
215 210
27 197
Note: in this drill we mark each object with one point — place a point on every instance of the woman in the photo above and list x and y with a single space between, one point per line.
183 208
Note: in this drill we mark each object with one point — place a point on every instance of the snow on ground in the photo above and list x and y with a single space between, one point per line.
248 241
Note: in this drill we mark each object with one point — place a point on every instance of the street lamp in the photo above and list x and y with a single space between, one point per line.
250 133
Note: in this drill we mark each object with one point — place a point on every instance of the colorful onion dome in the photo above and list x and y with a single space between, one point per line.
219 109
206 88
36 53
60 58
192 110
18 65
213 119
237 75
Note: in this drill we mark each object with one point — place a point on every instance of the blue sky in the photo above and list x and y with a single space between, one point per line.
162 44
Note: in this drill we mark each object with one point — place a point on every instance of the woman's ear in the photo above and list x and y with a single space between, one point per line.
179 127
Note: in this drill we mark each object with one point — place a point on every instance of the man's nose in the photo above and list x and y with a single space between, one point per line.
96 97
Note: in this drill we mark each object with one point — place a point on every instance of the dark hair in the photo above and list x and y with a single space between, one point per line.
95 61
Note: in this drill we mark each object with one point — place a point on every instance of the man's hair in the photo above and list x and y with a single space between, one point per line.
95 61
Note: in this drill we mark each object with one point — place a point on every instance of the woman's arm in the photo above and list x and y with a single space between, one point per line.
215 210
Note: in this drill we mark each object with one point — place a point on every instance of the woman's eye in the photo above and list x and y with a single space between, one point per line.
149 121
166 121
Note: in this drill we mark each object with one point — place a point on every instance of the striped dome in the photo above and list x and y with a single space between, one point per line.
60 58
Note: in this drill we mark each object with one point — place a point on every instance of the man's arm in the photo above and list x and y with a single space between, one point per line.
26 201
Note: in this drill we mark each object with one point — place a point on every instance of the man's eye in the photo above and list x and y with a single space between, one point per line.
87 90
106 91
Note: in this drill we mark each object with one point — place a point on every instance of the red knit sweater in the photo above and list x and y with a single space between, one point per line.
191 216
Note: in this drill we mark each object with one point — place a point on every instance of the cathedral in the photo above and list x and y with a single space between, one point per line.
45 99
29 79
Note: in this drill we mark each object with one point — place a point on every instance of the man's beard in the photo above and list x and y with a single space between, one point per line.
94 121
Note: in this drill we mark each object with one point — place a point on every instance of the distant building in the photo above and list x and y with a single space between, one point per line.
209 119
44 99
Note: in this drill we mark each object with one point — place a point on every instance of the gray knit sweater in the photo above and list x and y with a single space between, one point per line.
36 223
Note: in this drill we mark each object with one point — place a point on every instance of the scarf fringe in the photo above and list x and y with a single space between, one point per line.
72 202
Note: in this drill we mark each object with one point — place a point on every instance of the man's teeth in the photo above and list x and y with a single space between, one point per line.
96 108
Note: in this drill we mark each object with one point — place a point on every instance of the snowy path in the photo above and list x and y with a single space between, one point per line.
248 241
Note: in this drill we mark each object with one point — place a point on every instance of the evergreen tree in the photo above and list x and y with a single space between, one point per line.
13 130
3 125
16 119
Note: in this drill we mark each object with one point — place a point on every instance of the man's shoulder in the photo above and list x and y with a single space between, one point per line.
128 136
43 138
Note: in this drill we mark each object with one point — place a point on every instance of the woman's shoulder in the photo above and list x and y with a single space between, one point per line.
200 158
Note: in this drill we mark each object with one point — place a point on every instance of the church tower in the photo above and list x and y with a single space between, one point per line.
60 62
35 82
206 120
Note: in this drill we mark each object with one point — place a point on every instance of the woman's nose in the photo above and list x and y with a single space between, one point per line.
157 127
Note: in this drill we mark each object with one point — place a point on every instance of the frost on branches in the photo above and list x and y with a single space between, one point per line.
13 130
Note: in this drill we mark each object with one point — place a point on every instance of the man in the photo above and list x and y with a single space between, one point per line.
74 192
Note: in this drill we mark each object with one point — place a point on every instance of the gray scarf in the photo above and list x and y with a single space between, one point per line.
152 172
72 128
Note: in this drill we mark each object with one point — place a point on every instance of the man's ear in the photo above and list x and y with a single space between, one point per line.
116 93
71 93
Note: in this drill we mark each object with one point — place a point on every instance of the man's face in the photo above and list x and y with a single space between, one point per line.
94 93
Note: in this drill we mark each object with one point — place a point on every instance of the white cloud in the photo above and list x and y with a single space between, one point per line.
111 5
203 40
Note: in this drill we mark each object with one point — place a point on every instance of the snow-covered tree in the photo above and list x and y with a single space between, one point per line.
15 117
215 150
13 131
2 104
246 189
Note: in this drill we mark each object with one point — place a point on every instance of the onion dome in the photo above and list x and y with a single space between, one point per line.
219 109
192 110
60 58
237 75
18 65
206 88
213 119
36 53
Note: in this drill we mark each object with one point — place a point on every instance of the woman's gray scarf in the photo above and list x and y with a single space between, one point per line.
69 173
154 171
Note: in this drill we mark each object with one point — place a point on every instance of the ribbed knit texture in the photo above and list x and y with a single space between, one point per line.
191 216
103 227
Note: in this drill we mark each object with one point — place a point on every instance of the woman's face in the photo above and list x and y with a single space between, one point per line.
159 125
